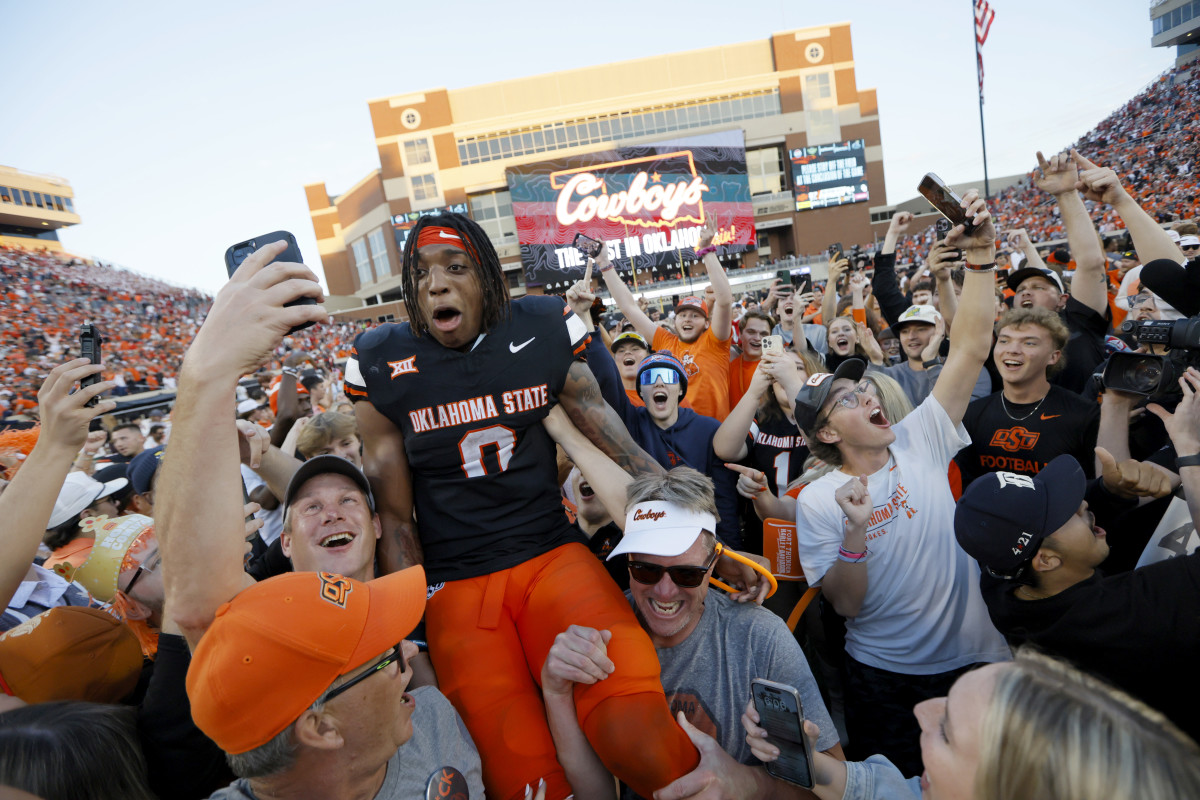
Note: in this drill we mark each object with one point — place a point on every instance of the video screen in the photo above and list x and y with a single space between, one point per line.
647 202
830 174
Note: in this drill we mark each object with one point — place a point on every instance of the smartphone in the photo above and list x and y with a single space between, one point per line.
587 245
835 251
89 346
943 198
237 253
772 344
785 277
942 226
805 280
782 716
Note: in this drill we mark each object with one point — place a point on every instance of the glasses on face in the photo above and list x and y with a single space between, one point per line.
1187 247
394 655
851 398
656 374
684 577
149 566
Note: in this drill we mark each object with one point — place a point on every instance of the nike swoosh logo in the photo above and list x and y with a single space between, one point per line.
514 348
1051 416
445 235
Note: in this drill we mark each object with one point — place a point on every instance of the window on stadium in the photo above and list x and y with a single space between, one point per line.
424 187
379 256
494 213
653 121
362 263
417 152
765 168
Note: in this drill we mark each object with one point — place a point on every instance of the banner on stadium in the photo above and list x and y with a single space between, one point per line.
402 224
647 202
826 175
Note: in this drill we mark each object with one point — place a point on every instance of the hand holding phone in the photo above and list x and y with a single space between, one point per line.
781 714
237 253
587 245
943 198
772 344
835 252
90 341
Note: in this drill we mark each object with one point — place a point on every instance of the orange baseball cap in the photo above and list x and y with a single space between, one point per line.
274 649
694 303
70 653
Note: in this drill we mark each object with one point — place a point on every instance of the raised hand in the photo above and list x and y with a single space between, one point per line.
1019 238
707 233
901 222
64 413
1057 176
1131 478
983 239
580 296
1097 183
854 499
935 342
750 481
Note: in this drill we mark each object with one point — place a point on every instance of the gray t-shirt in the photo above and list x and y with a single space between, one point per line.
440 739
708 675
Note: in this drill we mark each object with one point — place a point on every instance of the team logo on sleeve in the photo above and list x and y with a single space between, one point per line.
403 367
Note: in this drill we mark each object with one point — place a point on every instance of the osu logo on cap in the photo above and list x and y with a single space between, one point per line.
818 379
1013 439
403 367
335 588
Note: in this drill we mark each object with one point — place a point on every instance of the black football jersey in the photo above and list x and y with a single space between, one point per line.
1027 436
484 473
777 449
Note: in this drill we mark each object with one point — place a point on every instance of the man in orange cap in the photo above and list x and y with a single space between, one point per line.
301 680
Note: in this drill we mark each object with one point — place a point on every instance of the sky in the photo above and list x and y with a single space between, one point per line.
186 127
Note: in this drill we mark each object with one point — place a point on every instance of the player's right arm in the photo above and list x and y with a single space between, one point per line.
596 419
386 467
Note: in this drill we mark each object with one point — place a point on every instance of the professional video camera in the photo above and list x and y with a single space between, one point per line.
1155 377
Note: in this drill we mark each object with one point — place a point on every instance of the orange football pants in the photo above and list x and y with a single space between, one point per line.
489 636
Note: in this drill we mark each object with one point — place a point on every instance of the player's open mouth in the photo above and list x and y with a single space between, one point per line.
335 540
585 491
878 418
446 318
665 609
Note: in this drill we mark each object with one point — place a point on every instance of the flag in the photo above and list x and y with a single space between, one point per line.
983 24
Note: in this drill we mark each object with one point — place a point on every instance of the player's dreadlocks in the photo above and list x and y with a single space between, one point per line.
491 277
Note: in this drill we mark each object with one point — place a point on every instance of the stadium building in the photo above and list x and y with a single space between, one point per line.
1176 23
32 209
788 108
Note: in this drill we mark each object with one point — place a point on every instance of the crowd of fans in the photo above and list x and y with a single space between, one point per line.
520 548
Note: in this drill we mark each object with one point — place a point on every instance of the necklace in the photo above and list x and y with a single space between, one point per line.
1004 403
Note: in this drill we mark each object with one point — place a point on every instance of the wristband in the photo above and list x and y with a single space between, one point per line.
703 251
610 266
933 362
981 267
1187 461
295 373
851 557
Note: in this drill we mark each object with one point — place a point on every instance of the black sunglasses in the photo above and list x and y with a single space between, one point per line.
396 654
154 563
682 576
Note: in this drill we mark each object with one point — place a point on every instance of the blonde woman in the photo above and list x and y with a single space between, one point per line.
1031 728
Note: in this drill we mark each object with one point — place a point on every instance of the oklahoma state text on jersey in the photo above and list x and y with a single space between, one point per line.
483 467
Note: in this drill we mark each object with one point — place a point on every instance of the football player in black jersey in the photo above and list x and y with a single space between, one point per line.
450 406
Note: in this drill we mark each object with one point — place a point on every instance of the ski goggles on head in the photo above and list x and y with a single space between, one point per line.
653 375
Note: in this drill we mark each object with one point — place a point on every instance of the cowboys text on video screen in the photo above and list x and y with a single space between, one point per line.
646 202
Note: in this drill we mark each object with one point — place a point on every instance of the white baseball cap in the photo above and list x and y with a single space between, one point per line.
917 314
660 528
78 492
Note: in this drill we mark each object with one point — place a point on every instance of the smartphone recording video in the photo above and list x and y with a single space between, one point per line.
587 245
943 198
237 253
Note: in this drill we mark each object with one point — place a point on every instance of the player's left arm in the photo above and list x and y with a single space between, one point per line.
596 419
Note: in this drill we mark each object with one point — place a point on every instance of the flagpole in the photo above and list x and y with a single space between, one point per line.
987 193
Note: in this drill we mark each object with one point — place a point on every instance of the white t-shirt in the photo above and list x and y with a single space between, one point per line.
923 613
273 519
